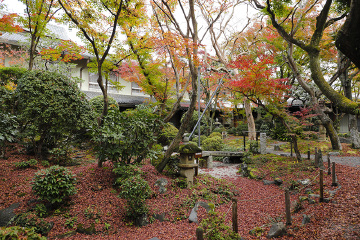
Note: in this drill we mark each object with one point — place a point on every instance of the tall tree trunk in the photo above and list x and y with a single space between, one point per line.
348 38
250 120
346 83
324 118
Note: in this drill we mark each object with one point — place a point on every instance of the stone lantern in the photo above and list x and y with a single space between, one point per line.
187 165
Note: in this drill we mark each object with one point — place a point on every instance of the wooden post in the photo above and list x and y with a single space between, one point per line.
329 167
334 183
316 157
234 215
244 141
287 207
199 234
321 185
291 148
308 151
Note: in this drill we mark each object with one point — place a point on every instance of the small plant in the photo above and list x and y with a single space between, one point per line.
45 163
247 157
17 232
30 220
70 223
107 226
41 210
181 182
212 144
216 228
135 190
297 206
27 164
92 212
54 184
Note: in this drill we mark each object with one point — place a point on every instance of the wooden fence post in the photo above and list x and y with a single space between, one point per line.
287 207
334 183
234 215
308 151
244 142
291 143
321 185
329 167
199 234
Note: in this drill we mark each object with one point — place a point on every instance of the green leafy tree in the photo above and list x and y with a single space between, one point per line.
127 137
50 106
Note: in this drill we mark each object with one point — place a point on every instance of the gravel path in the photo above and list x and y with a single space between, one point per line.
223 170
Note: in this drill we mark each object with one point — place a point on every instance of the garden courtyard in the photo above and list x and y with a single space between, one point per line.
97 212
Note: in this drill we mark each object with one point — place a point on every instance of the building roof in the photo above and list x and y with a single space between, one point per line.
122 100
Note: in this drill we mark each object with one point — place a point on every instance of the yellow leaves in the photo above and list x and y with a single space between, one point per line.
10 86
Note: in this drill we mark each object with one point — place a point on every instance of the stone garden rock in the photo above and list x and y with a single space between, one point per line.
276 147
89 231
311 201
308 191
306 219
193 214
142 220
160 217
276 230
226 160
7 214
154 238
334 153
161 183
278 181
304 181
314 195
267 182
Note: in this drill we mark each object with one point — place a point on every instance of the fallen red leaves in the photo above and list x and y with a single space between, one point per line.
339 219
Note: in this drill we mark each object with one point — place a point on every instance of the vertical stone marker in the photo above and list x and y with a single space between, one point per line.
262 143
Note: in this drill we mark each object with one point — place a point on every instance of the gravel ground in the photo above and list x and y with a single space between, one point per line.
222 170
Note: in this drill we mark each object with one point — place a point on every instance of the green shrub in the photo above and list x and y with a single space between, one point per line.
11 74
16 232
97 104
215 134
194 118
127 136
202 138
238 131
216 228
212 144
27 164
247 157
124 172
254 146
51 108
54 184
30 220
279 132
8 130
135 190
168 133
157 155
45 163
41 210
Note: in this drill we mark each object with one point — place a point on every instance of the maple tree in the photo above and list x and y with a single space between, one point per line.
312 47
38 14
98 23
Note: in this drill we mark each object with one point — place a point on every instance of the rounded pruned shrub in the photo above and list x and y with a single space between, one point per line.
135 190
168 133
54 184
97 104
212 144
215 134
51 109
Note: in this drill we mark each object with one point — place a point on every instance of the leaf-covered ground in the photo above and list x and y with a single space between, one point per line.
258 205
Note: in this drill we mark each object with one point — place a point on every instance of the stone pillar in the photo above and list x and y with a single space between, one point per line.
322 132
209 162
262 143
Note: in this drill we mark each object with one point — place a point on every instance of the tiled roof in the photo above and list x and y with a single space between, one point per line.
122 100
